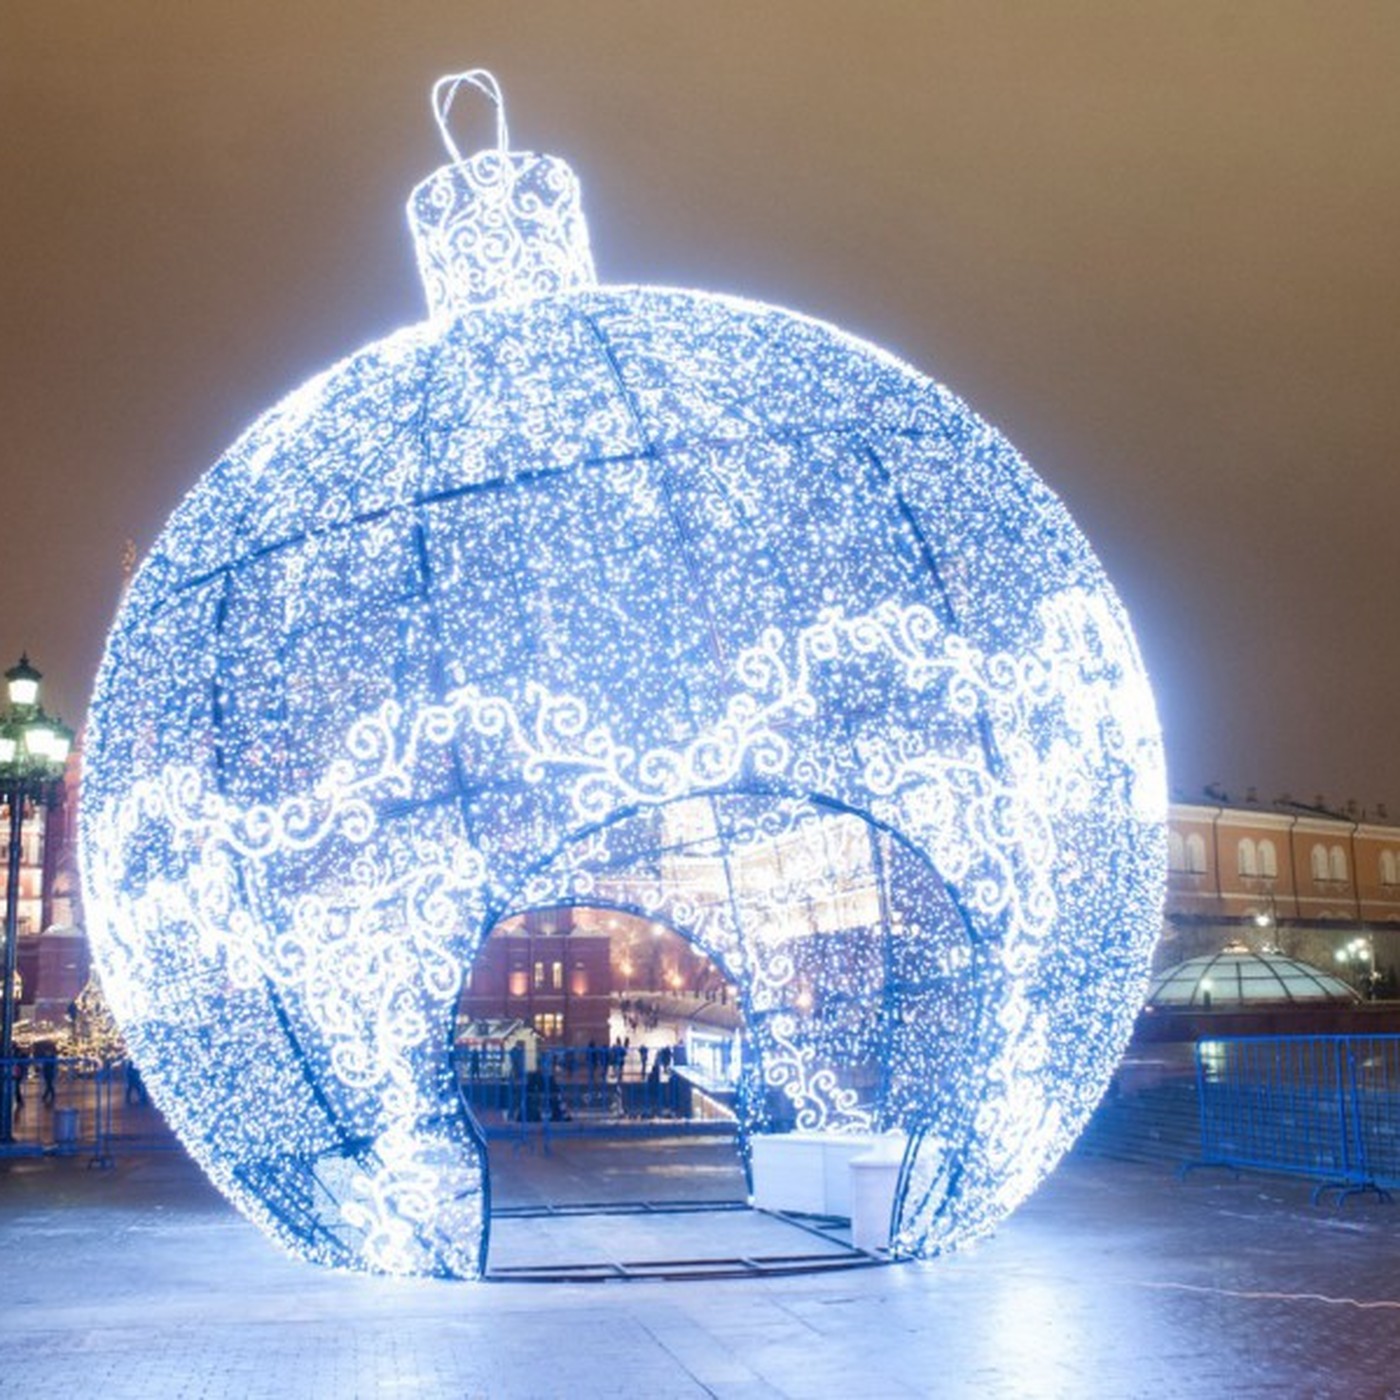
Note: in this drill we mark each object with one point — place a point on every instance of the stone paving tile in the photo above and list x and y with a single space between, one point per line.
1114 1281
621 1239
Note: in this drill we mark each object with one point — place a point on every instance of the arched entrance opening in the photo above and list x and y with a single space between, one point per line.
598 1051
673 991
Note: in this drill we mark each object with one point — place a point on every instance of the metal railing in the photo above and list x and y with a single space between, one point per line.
62 1106
1326 1107
571 1093
69 1106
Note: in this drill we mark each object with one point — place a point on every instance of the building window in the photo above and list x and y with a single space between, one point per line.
1196 853
549 976
578 981
519 982
1338 862
1319 863
1248 863
1268 860
1176 852
549 1024
1388 868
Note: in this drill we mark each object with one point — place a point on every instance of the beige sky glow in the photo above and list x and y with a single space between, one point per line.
1155 243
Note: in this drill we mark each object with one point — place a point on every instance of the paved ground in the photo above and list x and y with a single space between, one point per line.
1115 1280
654 1166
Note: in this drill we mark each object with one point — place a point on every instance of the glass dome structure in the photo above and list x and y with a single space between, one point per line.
1239 976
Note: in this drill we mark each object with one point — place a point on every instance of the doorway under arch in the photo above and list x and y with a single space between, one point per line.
826 963
597 1052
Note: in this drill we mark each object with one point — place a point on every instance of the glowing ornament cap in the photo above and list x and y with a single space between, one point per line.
497 226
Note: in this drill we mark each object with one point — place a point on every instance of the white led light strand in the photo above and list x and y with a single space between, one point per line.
648 599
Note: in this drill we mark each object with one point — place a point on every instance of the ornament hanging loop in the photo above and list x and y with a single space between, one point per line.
445 93
498 225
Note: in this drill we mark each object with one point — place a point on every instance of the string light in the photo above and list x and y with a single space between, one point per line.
641 598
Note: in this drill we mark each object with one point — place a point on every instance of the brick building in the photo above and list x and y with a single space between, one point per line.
547 969
1319 884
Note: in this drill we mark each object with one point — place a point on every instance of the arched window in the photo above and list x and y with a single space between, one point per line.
1176 852
1387 867
1338 862
1319 862
1268 860
1196 853
1248 862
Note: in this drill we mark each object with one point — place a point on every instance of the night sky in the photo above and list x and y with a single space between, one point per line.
1156 244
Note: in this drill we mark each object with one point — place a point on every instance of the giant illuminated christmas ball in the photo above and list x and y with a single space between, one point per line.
635 598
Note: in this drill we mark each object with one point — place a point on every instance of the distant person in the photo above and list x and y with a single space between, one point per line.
18 1070
46 1052
558 1113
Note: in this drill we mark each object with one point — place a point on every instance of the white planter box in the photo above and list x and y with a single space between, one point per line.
809 1173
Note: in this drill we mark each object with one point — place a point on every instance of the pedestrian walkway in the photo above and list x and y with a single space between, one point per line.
625 1208
1114 1280
602 1243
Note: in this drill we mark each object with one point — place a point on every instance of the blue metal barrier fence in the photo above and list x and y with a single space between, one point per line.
68 1105
573 1093
61 1106
1324 1106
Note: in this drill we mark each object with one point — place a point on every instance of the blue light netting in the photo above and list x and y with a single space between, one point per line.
633 597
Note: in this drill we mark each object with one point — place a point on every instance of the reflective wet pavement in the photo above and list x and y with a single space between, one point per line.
1114 1280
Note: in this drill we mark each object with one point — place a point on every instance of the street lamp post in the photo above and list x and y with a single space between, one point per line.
1358 951
33 751
1268 919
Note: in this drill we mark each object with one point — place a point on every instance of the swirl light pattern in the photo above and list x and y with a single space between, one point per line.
632 597
496 225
